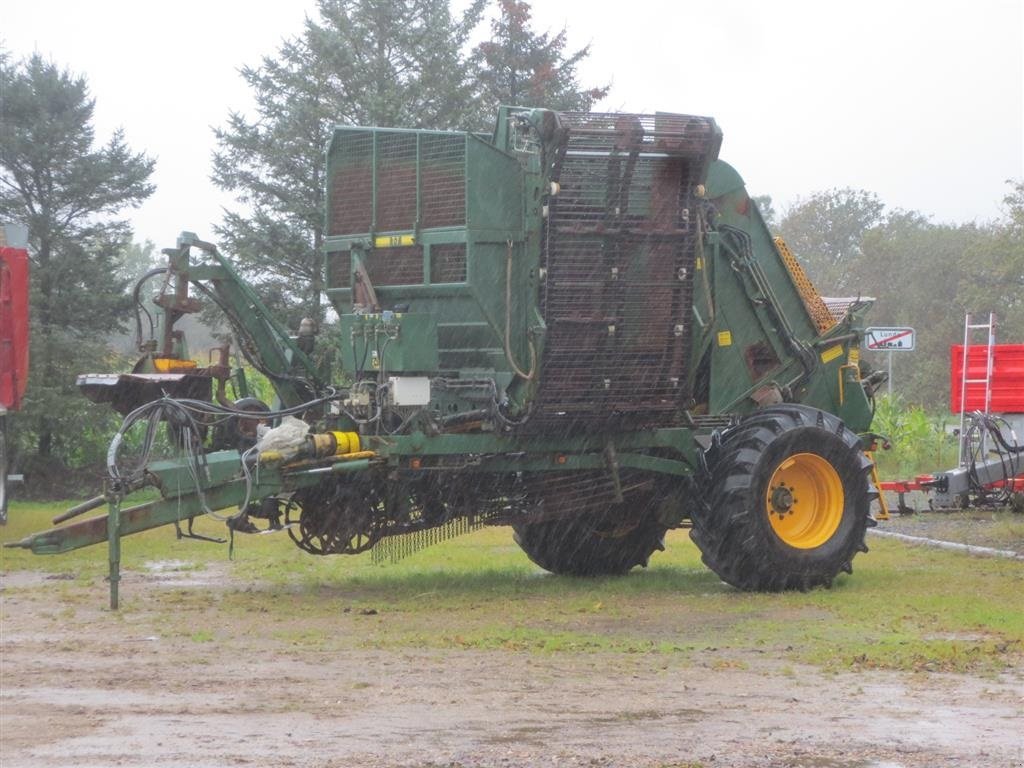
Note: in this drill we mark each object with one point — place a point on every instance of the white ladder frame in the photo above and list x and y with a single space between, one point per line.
969 326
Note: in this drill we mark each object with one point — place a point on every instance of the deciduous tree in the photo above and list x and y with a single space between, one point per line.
922 274
826 231
994 264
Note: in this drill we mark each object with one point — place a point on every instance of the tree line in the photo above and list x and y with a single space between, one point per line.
923 274
407 63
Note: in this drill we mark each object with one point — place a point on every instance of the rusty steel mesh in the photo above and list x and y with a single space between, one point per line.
396 266
401 265
619 252
443 180
351 187
396 181
417 175
339 269
448 263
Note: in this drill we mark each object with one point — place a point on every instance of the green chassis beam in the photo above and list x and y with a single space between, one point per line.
223 485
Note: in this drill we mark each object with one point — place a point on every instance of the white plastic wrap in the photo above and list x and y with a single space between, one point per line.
286 438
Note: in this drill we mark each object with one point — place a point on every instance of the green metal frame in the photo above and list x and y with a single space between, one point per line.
745 296
470 315
275 346
223 485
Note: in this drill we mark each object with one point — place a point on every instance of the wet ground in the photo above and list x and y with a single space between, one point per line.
80 686
83 687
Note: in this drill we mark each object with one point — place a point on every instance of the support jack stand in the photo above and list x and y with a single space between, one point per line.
190 534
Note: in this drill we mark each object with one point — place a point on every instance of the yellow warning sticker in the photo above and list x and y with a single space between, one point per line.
832 353
854 356
725 338
700 263
393 241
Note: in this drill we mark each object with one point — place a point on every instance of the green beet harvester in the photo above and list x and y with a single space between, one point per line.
578 326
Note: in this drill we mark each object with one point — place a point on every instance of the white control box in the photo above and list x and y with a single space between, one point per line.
408 390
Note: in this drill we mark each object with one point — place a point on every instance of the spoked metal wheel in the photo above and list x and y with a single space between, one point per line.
336 518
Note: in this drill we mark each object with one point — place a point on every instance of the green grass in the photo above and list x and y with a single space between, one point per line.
904 608
1009 527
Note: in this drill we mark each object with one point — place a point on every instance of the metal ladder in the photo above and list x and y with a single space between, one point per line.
969 330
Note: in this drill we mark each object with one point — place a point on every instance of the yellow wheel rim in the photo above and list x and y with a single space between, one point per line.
804 500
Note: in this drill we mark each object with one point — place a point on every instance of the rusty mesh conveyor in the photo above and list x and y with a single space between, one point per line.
619 251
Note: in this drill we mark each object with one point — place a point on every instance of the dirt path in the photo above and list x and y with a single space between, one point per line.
83 687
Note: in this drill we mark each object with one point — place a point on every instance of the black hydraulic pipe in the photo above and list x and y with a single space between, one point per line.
80 509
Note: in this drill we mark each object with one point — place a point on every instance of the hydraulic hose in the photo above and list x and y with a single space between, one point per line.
137 303
508 326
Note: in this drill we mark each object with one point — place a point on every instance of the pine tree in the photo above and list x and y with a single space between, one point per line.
518 66
68 191
360 62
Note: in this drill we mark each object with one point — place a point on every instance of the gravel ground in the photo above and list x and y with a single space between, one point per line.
995 528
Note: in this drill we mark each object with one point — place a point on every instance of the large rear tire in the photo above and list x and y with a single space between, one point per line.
789 501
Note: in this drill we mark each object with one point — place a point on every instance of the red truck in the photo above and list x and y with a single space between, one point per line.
13 336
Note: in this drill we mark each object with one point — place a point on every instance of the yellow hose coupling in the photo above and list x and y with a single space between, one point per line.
324 445
345 442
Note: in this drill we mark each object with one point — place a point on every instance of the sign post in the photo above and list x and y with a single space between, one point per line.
889 340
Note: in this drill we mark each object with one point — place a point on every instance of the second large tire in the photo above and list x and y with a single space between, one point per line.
788 501
580 546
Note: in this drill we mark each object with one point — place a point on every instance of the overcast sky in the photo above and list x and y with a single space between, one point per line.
920 102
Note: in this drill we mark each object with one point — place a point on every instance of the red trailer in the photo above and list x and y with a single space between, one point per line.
988 466
1007 383
13 336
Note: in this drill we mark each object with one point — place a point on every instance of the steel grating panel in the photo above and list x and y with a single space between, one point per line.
448 263
396 266
403 161
401 266
443 169
619 132
620 249
396 181
351 193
